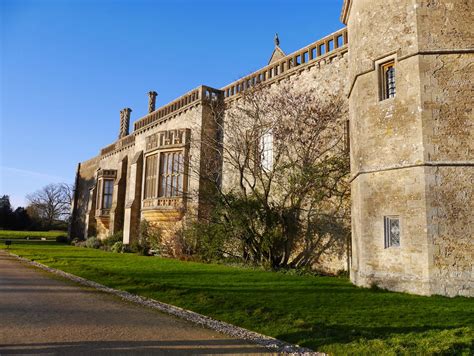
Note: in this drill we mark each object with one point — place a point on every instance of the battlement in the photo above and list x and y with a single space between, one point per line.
327 47
183 103
121 143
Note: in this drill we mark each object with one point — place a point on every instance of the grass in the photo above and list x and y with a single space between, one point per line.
33 235
323 313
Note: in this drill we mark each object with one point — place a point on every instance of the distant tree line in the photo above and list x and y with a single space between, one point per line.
47 209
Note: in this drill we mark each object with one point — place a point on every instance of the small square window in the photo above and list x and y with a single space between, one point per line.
388 86
392 231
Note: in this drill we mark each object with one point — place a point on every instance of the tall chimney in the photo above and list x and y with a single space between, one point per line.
124 122
151 100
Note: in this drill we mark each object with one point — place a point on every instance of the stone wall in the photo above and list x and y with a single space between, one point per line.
327 76
450 205
129 162
375 195
85 181
446 39
411 156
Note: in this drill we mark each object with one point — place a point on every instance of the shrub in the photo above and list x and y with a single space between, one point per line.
207 241
61 239
114 238
80 243
118 247
149 240
93 242
136 247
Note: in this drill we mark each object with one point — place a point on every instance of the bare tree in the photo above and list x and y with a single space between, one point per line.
285 196
52 203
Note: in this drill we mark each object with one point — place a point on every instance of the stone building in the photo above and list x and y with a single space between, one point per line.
407 68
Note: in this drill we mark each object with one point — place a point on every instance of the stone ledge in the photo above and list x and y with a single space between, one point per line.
268 342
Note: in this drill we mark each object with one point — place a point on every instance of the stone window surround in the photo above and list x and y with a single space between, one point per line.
388 239
151 174
175 188
381 64
157 203
102 176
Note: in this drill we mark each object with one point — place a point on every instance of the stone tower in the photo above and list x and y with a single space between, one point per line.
411 70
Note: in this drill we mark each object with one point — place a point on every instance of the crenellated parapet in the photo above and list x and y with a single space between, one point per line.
326 48
178 106
118 145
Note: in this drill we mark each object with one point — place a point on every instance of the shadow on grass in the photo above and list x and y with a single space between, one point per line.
319 335
36 242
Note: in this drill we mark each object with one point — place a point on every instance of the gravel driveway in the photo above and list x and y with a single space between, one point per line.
41 314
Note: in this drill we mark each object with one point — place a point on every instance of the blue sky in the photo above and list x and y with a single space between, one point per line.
68 67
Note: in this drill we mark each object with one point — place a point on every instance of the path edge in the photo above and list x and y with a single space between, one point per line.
270 343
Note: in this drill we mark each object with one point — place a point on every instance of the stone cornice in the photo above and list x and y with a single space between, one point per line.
346 9
406 166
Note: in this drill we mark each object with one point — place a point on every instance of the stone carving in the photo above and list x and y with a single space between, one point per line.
124 122
277 40
152 100
121 124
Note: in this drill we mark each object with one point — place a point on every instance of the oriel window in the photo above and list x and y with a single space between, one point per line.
108 188
171 174
388 80
151 176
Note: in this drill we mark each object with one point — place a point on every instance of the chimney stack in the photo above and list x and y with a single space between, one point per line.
151 100
124 122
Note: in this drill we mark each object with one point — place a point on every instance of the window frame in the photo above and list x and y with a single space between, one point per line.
388 240
384 68
102 196
177 189
151 176
107 194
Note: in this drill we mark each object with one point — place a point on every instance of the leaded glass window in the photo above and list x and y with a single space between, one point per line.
107 193
388 80
392 231
151 176
171 174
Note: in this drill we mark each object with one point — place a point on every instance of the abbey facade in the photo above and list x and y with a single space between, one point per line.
406 68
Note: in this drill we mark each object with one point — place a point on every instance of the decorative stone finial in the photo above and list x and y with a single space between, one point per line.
277 40
152 100
124 122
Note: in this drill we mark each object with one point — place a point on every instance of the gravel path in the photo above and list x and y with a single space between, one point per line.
43 314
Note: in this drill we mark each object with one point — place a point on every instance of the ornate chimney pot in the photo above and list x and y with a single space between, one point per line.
152 100
124 122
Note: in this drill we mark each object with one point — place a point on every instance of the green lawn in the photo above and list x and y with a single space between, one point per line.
33 235
323 313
